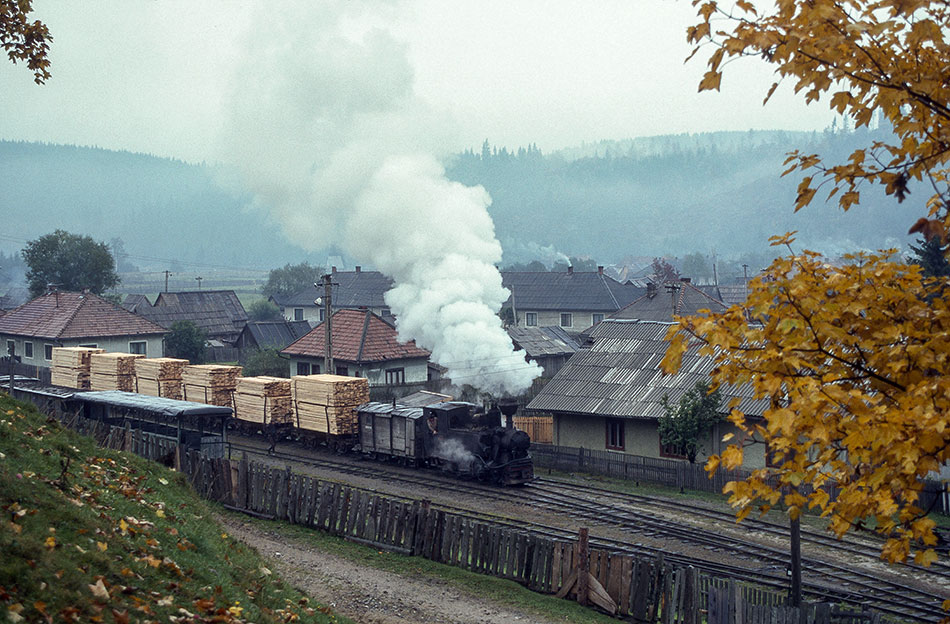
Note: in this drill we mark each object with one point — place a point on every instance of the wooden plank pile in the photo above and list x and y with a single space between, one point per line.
327 403
112 371
70 366
159 377
263 400
212 384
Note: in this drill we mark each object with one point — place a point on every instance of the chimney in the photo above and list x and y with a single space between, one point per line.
358 267
651 290
600 270
570 270
686 280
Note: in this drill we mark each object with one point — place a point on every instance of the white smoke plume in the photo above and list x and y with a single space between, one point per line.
324 130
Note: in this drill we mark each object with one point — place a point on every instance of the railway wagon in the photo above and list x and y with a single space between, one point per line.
453 436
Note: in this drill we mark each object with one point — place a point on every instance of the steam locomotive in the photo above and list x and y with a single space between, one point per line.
455 437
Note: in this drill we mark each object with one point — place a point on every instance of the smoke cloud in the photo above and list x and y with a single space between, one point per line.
323 128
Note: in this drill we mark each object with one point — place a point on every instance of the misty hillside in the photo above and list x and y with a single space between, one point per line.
658 195
676 195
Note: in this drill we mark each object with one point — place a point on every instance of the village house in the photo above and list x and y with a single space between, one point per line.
271 334
364 345
71 319
661 302
218 313
574 301
352 290
609 395
549 347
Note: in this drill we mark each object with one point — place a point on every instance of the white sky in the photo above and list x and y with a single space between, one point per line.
151 76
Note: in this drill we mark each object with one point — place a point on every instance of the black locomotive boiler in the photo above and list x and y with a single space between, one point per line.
455 437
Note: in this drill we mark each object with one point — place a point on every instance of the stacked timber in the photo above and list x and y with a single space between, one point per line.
112 371
70 366
263 400
159 377
213 384
327 403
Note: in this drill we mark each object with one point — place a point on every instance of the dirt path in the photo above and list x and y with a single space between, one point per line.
365 594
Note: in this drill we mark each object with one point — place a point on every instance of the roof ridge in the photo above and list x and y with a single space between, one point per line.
82 301
359 353
609 292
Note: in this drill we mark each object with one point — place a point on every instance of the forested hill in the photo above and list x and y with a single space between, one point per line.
159 207
676 195
658 195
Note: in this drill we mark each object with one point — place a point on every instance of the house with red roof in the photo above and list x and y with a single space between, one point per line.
72 319
364 344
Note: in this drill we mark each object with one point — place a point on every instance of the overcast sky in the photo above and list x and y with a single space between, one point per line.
152 76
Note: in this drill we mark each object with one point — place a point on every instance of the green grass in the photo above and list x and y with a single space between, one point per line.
498 591
88 534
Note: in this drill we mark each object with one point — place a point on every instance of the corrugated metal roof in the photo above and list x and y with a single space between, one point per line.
544 341
218 313
687 299
352 289
619 375
276 334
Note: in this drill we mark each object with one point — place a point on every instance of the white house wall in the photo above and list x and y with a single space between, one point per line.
154 346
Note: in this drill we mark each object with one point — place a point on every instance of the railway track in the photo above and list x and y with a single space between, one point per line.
766 565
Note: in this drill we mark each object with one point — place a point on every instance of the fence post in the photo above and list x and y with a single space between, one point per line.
583 566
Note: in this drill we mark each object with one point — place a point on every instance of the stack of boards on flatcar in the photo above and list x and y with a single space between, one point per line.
327 403
112 371
70 366
159 377
211 384
263 400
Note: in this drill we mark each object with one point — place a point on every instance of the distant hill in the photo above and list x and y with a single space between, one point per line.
672 194
159 207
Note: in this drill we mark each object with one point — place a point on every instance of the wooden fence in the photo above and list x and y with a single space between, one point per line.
647 589
24 370
681 474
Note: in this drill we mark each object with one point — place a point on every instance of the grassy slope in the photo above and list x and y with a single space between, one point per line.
88 534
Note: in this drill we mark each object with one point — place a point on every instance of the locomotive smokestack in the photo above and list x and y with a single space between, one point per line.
508 407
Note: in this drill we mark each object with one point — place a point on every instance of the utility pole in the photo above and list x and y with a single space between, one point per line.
795 590
199 278
745 272
327 323
167 273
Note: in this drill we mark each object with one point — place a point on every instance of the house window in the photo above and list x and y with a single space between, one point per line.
90 346
615 431
11 347
48 351
567 319
530 319
395 376
303 368
342 370
596 318
672 451
28 350
139 347
323 314
298 314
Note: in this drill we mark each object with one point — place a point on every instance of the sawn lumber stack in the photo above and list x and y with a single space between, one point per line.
263 400
159 377
70 366
327 403
211 384
112 371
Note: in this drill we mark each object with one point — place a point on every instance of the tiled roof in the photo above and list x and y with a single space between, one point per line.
688 300
567 291
619 375
218 313
358 336
351 289
276 334
74 315
544 341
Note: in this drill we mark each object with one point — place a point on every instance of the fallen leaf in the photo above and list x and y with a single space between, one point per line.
50 542
99 590
102 546
163 481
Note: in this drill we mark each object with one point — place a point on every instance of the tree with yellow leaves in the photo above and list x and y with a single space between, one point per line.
853 358
25 40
